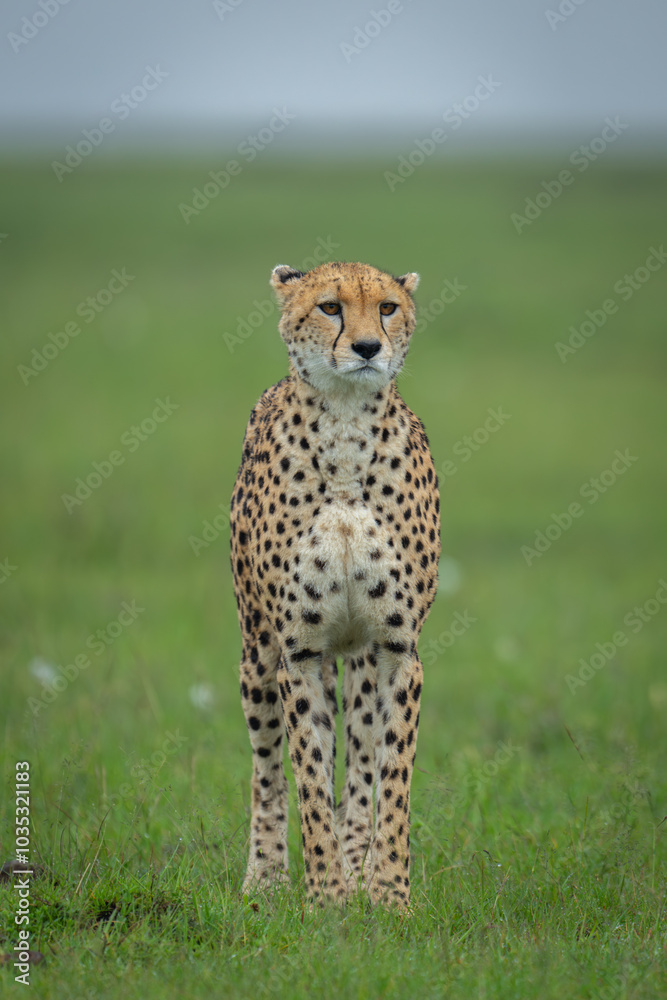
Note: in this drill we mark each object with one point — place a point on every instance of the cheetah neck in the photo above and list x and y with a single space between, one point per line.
346 429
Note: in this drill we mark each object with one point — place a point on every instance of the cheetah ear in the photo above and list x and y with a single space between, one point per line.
282 276
409 281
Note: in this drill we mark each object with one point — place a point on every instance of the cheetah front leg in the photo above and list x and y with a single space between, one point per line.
267 861
329 678
355 811
399 688
311 738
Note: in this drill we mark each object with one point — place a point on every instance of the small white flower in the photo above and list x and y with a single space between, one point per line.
42 670
202 696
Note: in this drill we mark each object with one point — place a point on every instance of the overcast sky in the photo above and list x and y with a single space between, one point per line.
223 63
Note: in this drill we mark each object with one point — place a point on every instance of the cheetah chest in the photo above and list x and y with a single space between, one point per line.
345 562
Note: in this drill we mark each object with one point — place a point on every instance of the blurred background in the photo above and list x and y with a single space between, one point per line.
158 159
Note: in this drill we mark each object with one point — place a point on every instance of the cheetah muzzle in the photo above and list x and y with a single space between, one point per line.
335 534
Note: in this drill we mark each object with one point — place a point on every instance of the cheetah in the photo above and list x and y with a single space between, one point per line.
335 537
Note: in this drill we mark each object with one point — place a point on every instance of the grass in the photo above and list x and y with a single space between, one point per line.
538 870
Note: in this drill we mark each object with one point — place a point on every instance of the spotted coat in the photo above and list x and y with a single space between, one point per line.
335 547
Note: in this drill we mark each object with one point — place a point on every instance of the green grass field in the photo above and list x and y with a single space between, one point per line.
539 801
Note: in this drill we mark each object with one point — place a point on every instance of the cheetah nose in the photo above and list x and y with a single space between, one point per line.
367 348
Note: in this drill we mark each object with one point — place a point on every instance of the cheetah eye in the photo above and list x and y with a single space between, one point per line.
330 308
387 308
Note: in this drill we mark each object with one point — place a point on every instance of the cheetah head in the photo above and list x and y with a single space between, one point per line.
347 327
